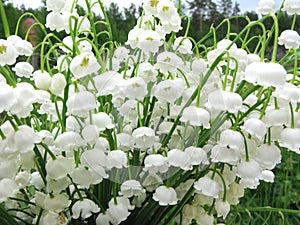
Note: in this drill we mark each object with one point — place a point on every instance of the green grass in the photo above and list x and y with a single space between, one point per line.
275 203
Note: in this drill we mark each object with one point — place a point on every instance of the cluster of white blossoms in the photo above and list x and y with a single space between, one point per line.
147 132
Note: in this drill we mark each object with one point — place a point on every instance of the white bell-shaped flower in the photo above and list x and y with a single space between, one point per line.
268 156
84 64
93 159
130 110
207 187
125 141
225 155
150 7
291 7
144 137
288 92
181 159
289 38
198 155
8 188
277 117
9 168
55 202
102 121
267 176
37 181
120 211
57 185
168 90
25 138
222 208
103 219
24 95
131 188
149 41
6 97
255 127
225 100
58 83
55 5
68 141
8 53
55 21
172 24
183 45
165 196
42 80
23 47
83 177
22 179
165 9
90 133
116 159
134 88
265 7
232 140
196 116
168 62
59 168
198 66
80 103
106 83
224 44
147 71
289 138
248 169
23 69
156 163
84 209
133 37
266 74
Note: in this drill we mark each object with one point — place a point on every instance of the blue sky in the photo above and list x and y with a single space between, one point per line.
245 5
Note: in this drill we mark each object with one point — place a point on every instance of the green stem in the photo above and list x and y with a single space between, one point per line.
276 29
292 116
5 217
111 45
294 22
189 102
2 134
4 20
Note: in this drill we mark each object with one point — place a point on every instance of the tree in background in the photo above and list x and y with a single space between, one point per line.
225 8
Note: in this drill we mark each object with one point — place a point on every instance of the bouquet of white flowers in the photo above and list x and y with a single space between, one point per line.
154 132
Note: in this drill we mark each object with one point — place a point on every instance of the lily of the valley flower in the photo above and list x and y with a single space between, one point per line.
84 209
266 6
290 39
165 196
84 64
291 7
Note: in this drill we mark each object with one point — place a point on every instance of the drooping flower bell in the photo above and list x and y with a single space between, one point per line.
290 39
23 69
84 209
84 64
196 116
291 7
290 139
8 53
266 74
144 137
165 196
265 7
207 187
